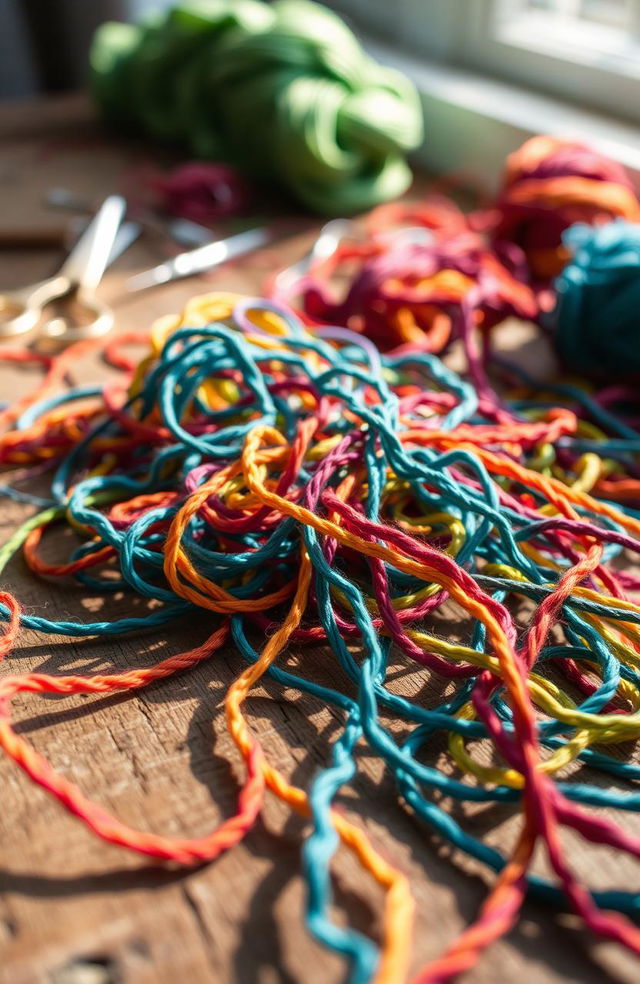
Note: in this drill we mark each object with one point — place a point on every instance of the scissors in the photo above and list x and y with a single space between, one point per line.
76 281
201 259
21 310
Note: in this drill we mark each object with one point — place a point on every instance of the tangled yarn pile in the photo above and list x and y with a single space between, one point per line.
428 273
408 292
304 487
285 92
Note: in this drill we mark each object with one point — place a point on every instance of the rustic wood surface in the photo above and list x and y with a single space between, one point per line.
76 911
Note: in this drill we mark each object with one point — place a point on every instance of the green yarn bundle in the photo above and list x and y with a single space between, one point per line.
284 92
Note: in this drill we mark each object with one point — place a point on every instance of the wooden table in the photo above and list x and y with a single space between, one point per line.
75 911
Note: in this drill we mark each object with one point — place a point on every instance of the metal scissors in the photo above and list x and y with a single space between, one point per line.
201 259
22 310
74 285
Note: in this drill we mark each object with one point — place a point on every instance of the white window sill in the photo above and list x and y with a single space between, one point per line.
472 121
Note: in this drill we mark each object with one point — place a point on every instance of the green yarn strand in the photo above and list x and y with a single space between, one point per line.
285 92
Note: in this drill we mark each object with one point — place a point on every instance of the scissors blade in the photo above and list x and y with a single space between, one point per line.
127 235
203 258
88 259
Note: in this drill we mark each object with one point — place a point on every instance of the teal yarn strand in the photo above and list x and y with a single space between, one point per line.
597 313
285 92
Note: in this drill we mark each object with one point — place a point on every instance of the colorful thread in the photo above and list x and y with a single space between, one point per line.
551 184
306 488
427 274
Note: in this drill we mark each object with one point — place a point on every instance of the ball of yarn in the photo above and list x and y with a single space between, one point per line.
284 91
201 191
551 184
596 316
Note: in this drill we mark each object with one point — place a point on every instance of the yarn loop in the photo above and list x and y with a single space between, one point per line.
303 488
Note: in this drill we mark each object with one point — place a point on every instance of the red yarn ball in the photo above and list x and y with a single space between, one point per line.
202 192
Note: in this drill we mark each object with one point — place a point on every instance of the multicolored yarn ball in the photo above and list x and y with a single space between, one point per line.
551 184
301 487
285 92
597 313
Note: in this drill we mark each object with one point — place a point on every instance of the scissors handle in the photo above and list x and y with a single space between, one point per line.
21 310
98 320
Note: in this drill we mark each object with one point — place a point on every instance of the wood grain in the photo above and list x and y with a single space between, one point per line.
75 911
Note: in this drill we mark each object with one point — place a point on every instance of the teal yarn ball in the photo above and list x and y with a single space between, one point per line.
284 92
597 311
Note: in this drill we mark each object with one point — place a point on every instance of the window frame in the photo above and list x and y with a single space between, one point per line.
572 67
467 34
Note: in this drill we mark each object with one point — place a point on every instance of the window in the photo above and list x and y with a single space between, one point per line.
612 13
587 51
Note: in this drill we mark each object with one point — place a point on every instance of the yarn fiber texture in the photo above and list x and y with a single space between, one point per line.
423 265
411 293
285 92
549 185
301 489
316 503
597 312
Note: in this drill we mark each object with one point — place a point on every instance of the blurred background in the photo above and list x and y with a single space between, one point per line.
585 51
44 43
